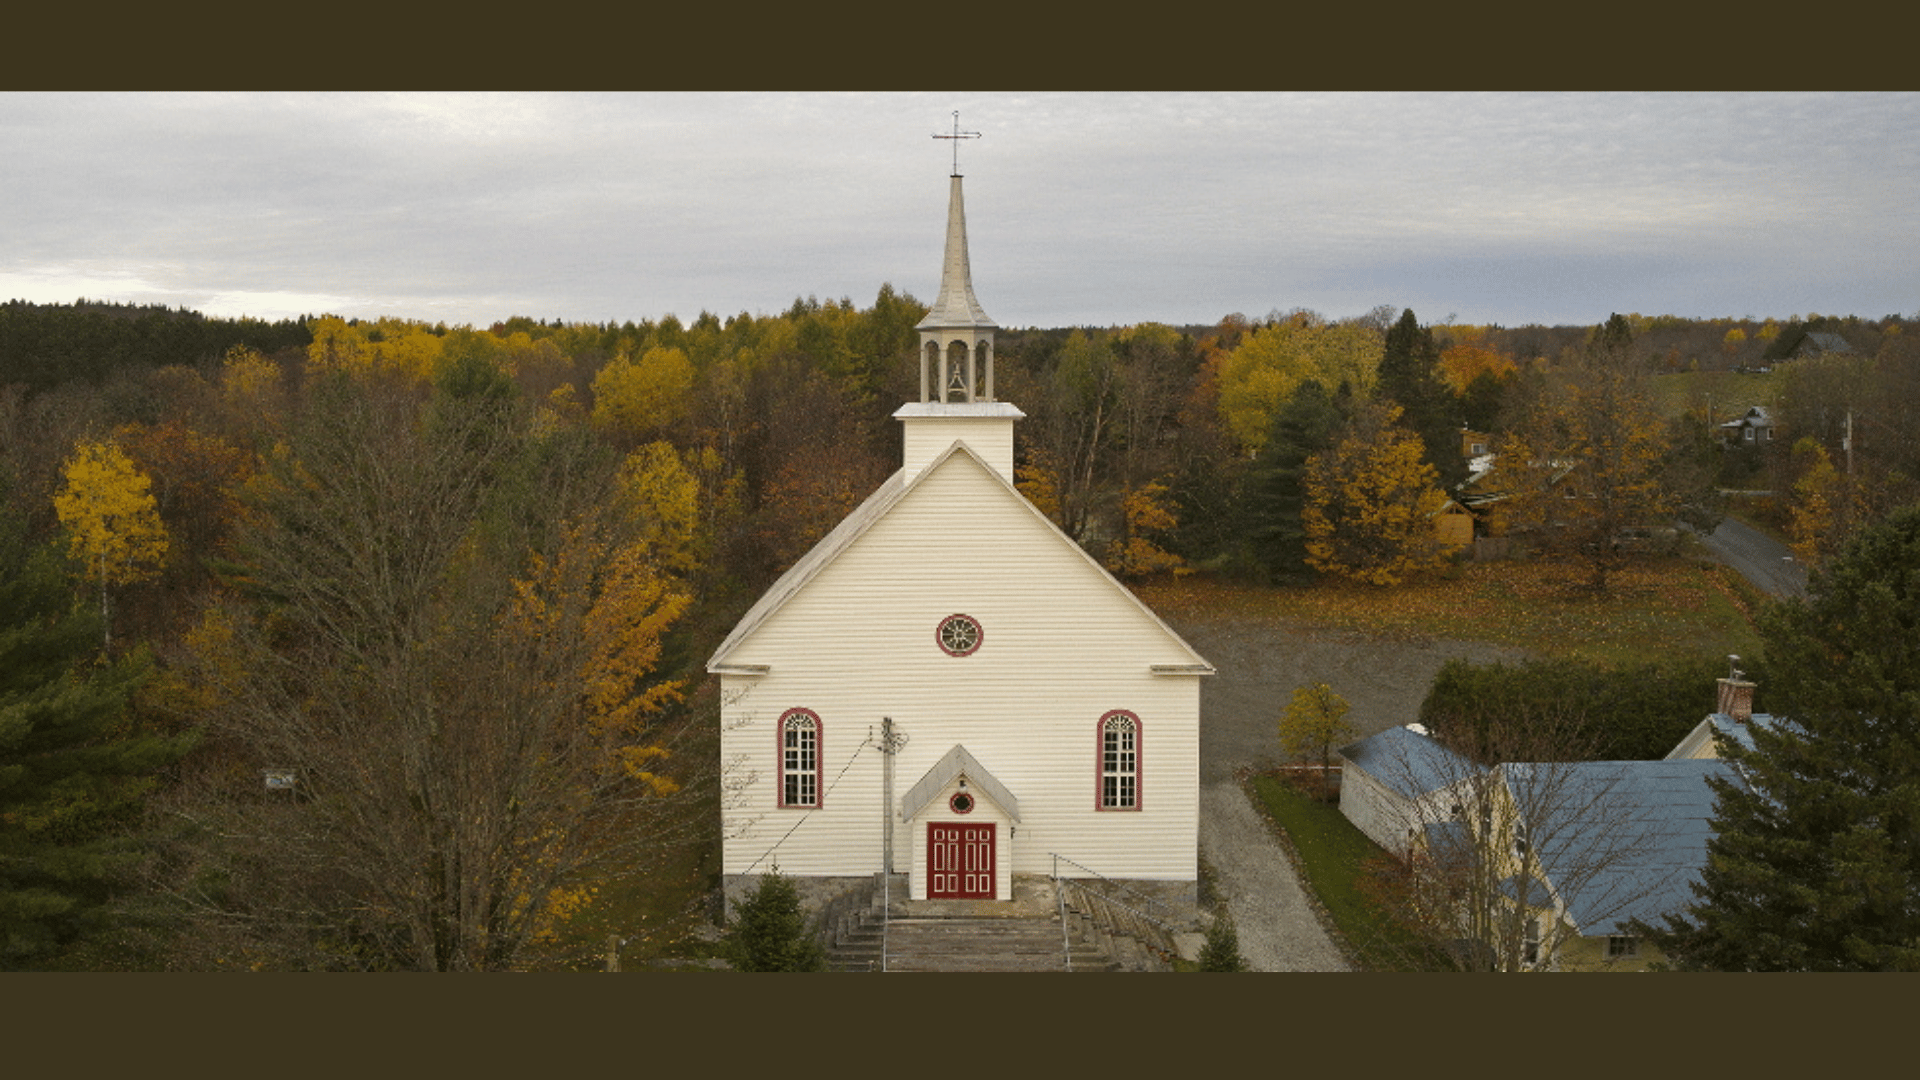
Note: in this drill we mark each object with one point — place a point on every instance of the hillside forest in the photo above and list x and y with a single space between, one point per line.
334 644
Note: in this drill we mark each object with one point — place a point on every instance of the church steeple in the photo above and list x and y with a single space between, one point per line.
956 337
956 366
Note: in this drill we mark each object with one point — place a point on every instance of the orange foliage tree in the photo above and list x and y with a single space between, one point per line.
1371 502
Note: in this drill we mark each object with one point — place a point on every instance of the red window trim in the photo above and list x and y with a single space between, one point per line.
980 635
1100 762
819 759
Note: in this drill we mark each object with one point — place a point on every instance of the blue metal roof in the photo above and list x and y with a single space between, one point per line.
1408 763
1619 839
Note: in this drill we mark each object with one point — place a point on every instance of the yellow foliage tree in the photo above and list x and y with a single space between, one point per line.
663 497
1314 722
1371 502
1260 375
113 525
1461 364
356 349
641 396
1146 514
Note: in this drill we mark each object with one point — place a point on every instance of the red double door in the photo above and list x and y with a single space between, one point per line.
959 861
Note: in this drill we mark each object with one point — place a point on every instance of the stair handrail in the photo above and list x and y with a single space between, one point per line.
1151 931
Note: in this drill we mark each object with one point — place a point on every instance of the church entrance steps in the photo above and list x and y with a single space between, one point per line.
958 942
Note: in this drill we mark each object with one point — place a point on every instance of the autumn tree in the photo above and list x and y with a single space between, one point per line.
1315 722
1814 862
1260 375
639 397
1371 502
1147 517
112 524
1071 426
445 636
1587 459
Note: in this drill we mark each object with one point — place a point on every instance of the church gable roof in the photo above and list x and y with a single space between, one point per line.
955 763
877 506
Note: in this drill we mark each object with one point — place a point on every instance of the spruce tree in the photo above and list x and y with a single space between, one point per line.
1222 951
1410 377
770 931
1814 864
71 776
1277 489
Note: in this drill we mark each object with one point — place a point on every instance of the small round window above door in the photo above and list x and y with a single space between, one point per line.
959 635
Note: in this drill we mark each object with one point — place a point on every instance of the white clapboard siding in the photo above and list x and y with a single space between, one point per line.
1063 644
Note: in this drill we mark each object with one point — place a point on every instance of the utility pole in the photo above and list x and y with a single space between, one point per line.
1847 443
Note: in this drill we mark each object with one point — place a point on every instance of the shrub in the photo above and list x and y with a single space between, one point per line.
770 932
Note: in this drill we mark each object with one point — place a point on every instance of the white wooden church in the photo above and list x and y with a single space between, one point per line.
1033 705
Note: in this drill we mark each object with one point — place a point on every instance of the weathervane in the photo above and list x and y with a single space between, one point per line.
958 134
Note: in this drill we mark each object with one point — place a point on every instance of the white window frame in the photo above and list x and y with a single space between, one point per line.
1119 762
800 739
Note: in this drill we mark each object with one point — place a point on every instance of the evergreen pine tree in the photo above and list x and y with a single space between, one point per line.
71 778
1277 490
770 931
1222 951
1410 377
1814 864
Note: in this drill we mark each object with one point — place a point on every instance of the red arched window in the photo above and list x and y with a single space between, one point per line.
800 758
1119 761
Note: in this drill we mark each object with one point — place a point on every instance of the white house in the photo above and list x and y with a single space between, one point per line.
1033 706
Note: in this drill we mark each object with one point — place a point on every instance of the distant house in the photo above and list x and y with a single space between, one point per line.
1820 343
1752 429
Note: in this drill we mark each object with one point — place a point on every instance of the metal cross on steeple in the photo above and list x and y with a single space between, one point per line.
958 134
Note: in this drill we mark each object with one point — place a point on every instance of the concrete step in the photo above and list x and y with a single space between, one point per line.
964 944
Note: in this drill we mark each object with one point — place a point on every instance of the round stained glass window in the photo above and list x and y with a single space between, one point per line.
962 803
959 635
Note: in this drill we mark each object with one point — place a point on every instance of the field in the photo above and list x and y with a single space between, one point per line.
1652 611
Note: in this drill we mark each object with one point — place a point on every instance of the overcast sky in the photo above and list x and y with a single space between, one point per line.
1083 209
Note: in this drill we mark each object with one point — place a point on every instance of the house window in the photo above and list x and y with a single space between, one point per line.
1520 839
1622 947
800 758
1119 761
1530 943
1749 434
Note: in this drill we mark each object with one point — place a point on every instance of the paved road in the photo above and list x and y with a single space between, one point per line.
1766 562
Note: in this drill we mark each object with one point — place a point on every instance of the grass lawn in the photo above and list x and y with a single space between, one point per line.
1332 855
1730 392
1651 611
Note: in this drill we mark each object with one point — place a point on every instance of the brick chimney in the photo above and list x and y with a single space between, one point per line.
1736 699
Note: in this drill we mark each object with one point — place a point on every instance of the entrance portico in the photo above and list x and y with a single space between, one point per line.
965 821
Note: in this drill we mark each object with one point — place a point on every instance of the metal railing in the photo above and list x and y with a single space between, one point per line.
1115 911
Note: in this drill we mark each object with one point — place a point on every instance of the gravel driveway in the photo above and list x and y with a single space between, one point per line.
1259 665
